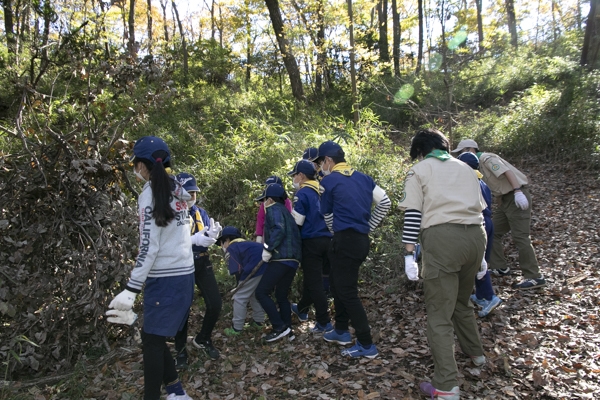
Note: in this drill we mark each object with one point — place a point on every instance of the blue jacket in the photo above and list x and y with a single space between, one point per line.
349 198
487 196
243 257
307 212
282 236
200 219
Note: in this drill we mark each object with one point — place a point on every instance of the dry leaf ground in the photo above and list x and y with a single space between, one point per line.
539 345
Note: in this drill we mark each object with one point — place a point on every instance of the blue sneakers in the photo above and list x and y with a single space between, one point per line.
340 338
359 351
301 316
318 328
478 302
489 306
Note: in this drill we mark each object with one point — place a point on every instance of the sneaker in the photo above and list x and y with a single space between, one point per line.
489 306
181 361
478 360
208 348
255 325
232 331
301 316
277 334
340 338
318 328
501 271
428 390
183 396
527 284
359 351
481 303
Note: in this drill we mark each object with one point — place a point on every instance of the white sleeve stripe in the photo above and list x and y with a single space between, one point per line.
412 226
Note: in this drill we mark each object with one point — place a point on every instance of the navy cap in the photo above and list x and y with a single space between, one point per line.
310 154
470 159
188 182
228 232
273 179
151 148
272 190
306 167
330 149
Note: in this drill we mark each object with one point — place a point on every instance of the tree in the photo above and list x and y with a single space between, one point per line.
149 12
183 43
352 64
396 29
286 51
591 40
163 5
511 21
11 42
382 15
421 39
479 24
131 44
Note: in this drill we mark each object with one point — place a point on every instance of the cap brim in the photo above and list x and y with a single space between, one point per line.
261 197
457 150
291 173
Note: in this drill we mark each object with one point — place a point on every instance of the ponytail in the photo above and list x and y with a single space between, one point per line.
162 186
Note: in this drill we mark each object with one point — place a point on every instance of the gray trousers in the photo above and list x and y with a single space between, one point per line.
241 298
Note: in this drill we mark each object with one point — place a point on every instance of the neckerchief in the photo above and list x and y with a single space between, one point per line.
479 174
196 220
343 168
441 155
314 185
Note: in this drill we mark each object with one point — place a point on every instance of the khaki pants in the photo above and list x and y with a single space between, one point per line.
507 217
452 256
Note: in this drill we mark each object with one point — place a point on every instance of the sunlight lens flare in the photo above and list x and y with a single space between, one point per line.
457 40
406 91
435 62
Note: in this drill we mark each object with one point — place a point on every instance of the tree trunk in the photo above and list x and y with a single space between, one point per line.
480 23
106 47
286 52
512 22
11 42
382 15
149 12
321 72
131 45
164 10
183 43
396 29
212 20
591 40
420 48
352 66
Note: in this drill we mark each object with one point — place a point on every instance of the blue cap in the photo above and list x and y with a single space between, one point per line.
330 149
273 179
272 190
306 167
188 182
227 232
151 148
310 154
470 159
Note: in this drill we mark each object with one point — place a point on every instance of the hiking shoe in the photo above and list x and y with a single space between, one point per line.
489 306
181 361
255 325
232 331
340 338
481 303
183 396
277 334
318 328
301 316
428 390
478 360
208 348
501 271
359 351
527 284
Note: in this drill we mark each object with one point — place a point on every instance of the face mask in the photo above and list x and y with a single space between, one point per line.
190 203
325 171
295 184
138 175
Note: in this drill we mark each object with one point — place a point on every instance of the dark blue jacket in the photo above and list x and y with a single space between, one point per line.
282 236
307 203
200 219
243 257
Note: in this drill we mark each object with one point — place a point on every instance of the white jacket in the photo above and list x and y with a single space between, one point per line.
163 251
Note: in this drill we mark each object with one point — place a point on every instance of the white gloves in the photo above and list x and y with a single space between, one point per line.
266 255
521 200
214 229
482 270
200 239
259 239
411 268
121 317
123 301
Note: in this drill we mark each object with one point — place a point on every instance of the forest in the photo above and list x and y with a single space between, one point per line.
238 89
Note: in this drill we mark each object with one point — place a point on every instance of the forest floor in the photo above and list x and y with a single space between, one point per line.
541 344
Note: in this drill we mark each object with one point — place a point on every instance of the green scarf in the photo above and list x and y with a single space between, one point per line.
441 155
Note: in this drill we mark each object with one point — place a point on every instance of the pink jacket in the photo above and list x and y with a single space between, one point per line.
260 217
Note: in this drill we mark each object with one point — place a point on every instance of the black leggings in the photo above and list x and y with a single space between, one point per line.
159 366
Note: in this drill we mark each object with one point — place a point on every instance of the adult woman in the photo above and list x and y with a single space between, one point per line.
443 205
165 265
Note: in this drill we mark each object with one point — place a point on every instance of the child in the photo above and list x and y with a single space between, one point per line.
242 257
165 264
484 295
260 217
204 232
281 250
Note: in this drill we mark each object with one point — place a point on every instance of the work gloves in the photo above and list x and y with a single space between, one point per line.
521 200
200 239
482 270
121 317
123 301
215 229
411 267
266 255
